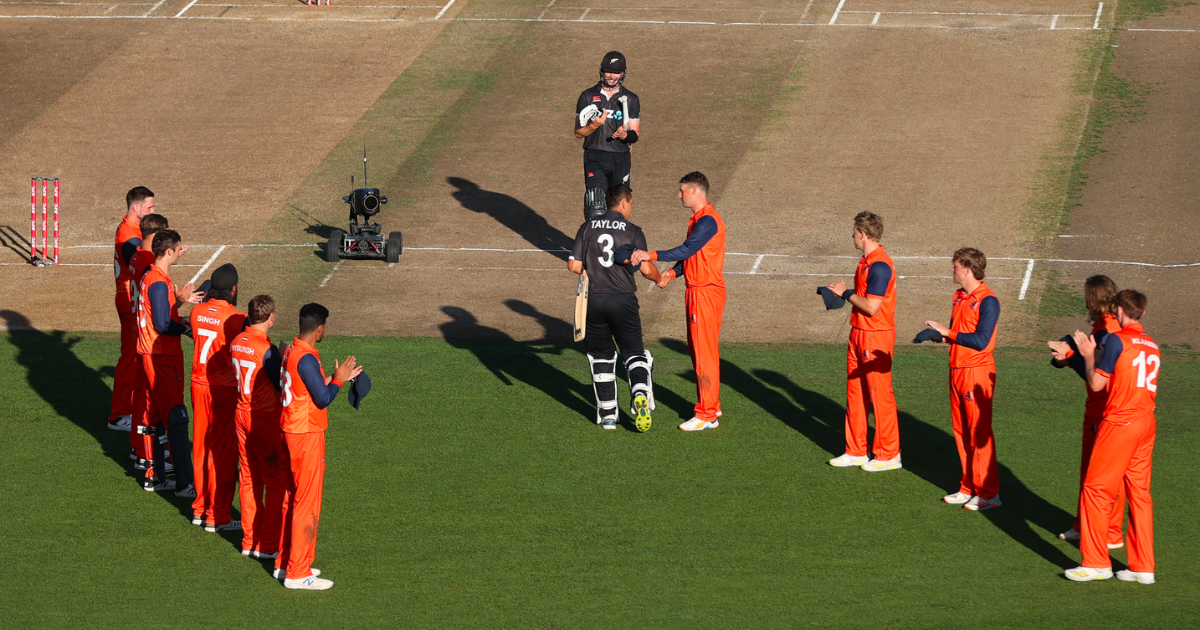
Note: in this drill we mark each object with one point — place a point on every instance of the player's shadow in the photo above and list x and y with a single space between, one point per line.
74 391
555 331
13 241
510 360
514 215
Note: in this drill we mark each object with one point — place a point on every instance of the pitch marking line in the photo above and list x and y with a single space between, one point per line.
184 9
335 268
208 264
833 20
1099 10
443 11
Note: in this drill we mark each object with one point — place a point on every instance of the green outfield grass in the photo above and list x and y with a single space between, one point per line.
473 490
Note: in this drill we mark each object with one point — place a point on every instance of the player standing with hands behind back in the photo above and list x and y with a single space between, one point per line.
608 118
307 392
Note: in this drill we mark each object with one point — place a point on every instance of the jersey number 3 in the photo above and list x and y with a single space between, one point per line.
606 243
1146 363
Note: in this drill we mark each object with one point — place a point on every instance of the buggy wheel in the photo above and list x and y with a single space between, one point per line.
333 247
391 249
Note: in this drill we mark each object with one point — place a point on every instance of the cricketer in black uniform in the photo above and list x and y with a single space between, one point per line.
602 248
600 122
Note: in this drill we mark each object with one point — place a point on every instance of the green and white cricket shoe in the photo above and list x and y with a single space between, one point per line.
609 422
641 413
880 465
1135 576
1088 574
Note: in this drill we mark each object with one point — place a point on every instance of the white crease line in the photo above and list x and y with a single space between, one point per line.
875 20
1099 10
543 13
972 13
1165 30
154 8
344 6
1053 22
806 8
105 265
110 9
184 9
335 268
757 262
833 19
211 259
439 16
1025 282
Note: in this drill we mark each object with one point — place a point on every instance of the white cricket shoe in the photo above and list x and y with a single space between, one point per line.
260 555
188 493
1135 576
310 583
1070 534
609 422
122 423
978 504
1088 574
958 498
162 486
197 520
846 460
231 526
880 465
696 424
1116 545
279 574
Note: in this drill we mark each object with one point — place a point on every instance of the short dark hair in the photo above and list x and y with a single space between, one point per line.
1132 302
972 259
870 224
312 315
227 295
137 194
695 178
617 194
164 240
152 223
260 309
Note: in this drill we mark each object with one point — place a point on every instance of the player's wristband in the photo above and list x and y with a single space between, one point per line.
847 293
337 381
630 137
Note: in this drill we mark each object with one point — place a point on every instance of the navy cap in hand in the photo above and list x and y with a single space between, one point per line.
360 386
832 300
928 334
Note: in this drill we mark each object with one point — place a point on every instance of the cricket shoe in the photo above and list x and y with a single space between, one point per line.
188 493
1088 574
1135 576
641 413
978 503
958 498
310 583
197 519
880 465
846 460
149 484
122 423
609 422
147 464
1070 534
262 555
696 424
280 574
1116 545
231 526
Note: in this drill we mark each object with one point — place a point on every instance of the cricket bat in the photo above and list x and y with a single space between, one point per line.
625 111
581 299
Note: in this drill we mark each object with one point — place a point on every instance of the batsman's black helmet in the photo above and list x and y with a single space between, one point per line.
613 62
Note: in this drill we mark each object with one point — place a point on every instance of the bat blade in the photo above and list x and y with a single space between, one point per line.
581 301
625 111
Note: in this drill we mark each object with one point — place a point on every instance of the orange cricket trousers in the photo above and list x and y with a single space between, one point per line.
263 485
1122 456
705 307
125 377
971 391
306 452
214 451
869 387
1091 428
163 385
139 403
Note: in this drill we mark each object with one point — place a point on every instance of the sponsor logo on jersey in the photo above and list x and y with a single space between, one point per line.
596 98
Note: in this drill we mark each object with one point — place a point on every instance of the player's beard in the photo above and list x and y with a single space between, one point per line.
615 84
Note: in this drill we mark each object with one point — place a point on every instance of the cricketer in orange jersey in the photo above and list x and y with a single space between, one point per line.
215 323
1127 367
306 394
139 202
139 262
701 261
159 330
972 339
262 455
869 354
1100 293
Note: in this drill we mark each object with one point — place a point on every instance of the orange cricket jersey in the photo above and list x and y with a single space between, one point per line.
1133 373
707 266
300 414
214 324
1093 407
257 395
125 287
885 317
964 319
138 264
149 340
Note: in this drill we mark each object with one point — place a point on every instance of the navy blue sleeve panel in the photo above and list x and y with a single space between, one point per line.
128 248
272 362
310 372
1112 351
702 233
160 310
1075 362
878 277
678 269
989 314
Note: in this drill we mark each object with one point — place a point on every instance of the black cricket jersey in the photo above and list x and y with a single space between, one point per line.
601 139
596 243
